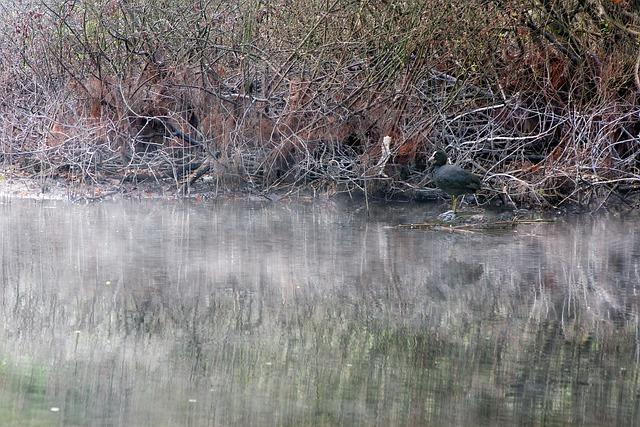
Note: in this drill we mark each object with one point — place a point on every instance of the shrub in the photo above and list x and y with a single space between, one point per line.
537 96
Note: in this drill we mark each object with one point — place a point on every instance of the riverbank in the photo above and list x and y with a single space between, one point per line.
324 98
476 212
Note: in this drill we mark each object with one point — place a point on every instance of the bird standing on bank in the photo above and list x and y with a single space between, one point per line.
452 179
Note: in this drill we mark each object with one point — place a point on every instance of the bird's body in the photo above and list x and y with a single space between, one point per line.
452 179
455 181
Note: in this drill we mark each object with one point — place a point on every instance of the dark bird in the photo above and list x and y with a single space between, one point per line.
452 179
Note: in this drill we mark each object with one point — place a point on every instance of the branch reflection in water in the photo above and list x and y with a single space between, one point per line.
238 313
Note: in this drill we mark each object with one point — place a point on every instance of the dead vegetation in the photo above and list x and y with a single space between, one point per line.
540 98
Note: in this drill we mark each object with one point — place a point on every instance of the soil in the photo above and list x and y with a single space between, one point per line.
60 188
14 185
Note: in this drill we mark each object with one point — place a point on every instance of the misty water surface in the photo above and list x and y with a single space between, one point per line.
238 313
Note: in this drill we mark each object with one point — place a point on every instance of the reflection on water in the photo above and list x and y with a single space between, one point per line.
163 314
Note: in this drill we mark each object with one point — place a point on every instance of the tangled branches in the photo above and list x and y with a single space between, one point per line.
329 96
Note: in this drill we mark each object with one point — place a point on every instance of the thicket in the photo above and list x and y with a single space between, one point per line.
540 97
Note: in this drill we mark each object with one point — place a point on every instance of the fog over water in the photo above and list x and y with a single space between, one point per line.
159 313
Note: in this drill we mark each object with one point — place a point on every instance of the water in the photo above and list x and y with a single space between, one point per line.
255 314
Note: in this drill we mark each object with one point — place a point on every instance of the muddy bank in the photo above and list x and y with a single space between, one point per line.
476 212
58 188
208 186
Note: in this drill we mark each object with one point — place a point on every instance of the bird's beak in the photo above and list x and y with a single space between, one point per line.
432 159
